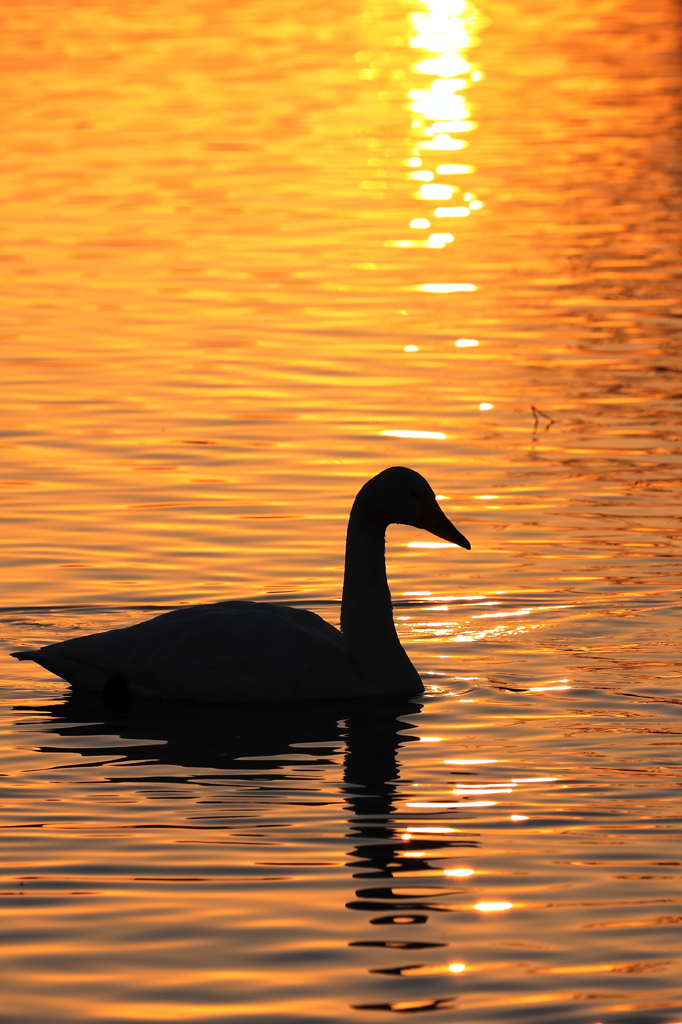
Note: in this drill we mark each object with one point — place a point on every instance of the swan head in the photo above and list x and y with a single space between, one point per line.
401 495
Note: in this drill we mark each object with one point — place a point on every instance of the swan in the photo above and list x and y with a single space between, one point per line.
253 651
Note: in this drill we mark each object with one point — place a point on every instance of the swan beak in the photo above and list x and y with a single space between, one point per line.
436 522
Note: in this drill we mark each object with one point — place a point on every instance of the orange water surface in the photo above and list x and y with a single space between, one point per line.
253 253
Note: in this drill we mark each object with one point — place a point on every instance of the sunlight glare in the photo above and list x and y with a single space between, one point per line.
454 169
445 289
436 192
446 66
439 240
452 211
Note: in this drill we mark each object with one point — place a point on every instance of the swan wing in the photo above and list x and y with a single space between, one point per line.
233 650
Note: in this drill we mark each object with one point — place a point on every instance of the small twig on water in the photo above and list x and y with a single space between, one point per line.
536 418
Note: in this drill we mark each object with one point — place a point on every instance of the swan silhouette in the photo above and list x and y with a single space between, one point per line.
253 651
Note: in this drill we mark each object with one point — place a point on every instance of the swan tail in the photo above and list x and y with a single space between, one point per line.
81 676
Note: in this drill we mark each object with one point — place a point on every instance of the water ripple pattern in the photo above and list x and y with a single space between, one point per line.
252 254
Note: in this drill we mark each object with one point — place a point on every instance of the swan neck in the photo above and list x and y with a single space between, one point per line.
367 612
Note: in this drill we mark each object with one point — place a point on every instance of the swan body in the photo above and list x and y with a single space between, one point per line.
254 651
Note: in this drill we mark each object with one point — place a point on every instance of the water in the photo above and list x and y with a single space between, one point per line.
214 309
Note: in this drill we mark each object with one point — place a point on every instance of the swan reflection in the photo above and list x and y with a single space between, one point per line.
225 745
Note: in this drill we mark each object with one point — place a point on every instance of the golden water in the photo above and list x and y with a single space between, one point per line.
215 310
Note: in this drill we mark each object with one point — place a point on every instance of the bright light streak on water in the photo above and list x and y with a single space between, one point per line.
241 241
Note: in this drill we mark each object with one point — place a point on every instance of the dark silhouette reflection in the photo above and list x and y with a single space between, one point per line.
241 738
221 736
200 734
371 775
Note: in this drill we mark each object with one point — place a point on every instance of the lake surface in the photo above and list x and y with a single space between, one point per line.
253 252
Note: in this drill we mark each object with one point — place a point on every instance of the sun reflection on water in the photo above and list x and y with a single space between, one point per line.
206 341
447 28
